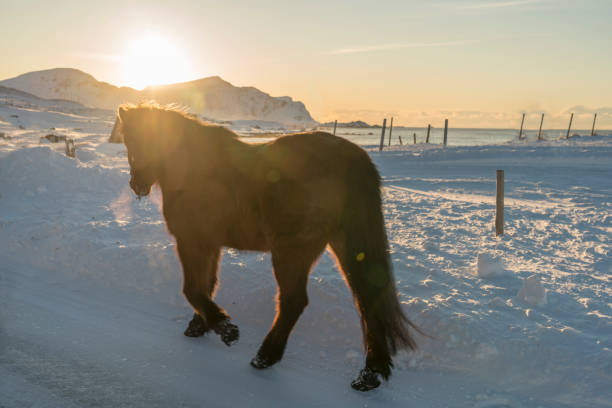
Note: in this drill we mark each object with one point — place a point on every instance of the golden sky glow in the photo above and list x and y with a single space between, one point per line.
479 62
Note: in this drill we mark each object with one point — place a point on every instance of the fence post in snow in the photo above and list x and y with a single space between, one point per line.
414 136
540 131
70 148
428 130
499 204
382 135
570 126
445 131
390 130
593 128
400 139
521 131
335 123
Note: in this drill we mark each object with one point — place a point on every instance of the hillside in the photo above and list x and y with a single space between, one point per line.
210 97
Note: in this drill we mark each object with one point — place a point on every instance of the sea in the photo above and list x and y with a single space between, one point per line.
455 136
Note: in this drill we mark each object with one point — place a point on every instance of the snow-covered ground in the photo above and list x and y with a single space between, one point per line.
91 312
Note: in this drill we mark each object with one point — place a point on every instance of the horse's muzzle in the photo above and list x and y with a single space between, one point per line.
140 190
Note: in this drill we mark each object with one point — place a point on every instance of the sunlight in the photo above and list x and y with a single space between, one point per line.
153 60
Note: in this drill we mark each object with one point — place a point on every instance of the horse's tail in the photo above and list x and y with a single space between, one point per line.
363 252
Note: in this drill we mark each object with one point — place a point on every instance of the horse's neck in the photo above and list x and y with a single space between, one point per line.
189 147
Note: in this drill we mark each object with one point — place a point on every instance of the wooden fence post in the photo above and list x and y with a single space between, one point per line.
335 123
499 204
414 136
593 128
521 131
540 131
390 130
400 139
445 131
428 130
570 126
382 135
70 148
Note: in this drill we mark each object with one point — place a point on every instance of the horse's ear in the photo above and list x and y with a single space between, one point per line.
122 112
117 133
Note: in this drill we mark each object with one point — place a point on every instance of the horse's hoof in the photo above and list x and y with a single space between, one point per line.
228 331
366 381
260 362
197 327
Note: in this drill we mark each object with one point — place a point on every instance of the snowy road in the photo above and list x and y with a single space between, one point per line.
91 312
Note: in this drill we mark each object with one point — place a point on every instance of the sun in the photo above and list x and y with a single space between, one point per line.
152 59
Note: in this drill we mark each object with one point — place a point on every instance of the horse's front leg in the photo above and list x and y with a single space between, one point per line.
197 326
200 267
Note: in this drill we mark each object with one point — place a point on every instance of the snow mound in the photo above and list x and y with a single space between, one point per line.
90 284
24 166
532 292
489 265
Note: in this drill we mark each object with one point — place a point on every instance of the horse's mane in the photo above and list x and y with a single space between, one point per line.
152 105
180 111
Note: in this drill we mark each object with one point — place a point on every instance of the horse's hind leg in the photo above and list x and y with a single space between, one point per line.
291 268
200 266
378 358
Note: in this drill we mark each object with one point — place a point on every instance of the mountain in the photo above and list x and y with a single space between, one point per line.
73 85
353 124
15 97
215 98
211 97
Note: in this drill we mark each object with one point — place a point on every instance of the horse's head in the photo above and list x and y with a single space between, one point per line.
140 127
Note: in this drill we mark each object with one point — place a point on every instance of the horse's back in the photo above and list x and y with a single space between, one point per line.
310 177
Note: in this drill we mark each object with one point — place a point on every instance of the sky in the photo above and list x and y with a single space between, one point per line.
479 63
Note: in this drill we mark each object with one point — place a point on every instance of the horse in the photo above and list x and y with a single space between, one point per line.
292 197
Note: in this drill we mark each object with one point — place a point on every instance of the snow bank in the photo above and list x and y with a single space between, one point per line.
90 284
489 265
532 292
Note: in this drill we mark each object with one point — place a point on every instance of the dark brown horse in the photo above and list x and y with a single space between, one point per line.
292 197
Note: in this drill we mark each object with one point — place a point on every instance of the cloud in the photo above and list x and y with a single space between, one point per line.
499 4
393 46
583 110
373 115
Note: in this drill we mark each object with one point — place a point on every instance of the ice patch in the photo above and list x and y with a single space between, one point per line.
532 292
496 402
489 265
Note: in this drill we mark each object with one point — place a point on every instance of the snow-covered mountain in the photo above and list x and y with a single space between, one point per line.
73 85
215 98
210 97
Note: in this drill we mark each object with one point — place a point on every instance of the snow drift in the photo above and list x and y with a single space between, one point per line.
91 311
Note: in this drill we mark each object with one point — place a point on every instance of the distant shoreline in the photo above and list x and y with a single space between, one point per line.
339 126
